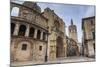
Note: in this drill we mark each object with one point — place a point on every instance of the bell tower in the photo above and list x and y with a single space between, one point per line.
73 31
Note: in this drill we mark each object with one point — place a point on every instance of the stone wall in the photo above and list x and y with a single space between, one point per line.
36 50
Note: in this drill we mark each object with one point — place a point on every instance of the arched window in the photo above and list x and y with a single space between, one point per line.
44 35
12 28
31 33
38 34
24 46
15 11
22 30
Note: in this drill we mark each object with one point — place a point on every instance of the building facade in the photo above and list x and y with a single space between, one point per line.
28 33
72 47
88 27
36 36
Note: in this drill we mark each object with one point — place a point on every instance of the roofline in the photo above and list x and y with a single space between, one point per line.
86 18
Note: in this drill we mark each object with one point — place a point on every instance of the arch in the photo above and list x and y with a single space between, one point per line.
12 28
31 33
44 35
15 11
38 34
22 30
59 47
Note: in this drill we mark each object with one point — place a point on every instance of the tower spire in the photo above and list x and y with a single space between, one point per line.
71 22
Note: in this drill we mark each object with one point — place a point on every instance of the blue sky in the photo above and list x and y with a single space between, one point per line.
68 12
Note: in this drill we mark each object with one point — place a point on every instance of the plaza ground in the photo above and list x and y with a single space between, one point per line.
57 61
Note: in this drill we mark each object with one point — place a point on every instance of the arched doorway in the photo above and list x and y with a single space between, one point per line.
59 47
73 51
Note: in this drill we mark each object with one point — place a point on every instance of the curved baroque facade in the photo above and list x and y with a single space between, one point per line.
36 36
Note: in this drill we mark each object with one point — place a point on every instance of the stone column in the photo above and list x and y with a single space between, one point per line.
16 30
27 31
41 35
35 33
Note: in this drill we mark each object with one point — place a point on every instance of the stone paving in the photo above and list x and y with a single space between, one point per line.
57 61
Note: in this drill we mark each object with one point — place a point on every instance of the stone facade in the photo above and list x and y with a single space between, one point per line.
72 47
28 34
88 27
36 36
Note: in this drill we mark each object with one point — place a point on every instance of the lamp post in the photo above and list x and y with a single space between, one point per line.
46 56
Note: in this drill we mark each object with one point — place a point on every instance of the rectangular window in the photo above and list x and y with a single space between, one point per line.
40 48
24 46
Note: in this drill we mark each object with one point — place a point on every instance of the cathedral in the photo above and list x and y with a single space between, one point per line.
36 36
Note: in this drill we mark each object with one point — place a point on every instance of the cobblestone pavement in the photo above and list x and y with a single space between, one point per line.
58 61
